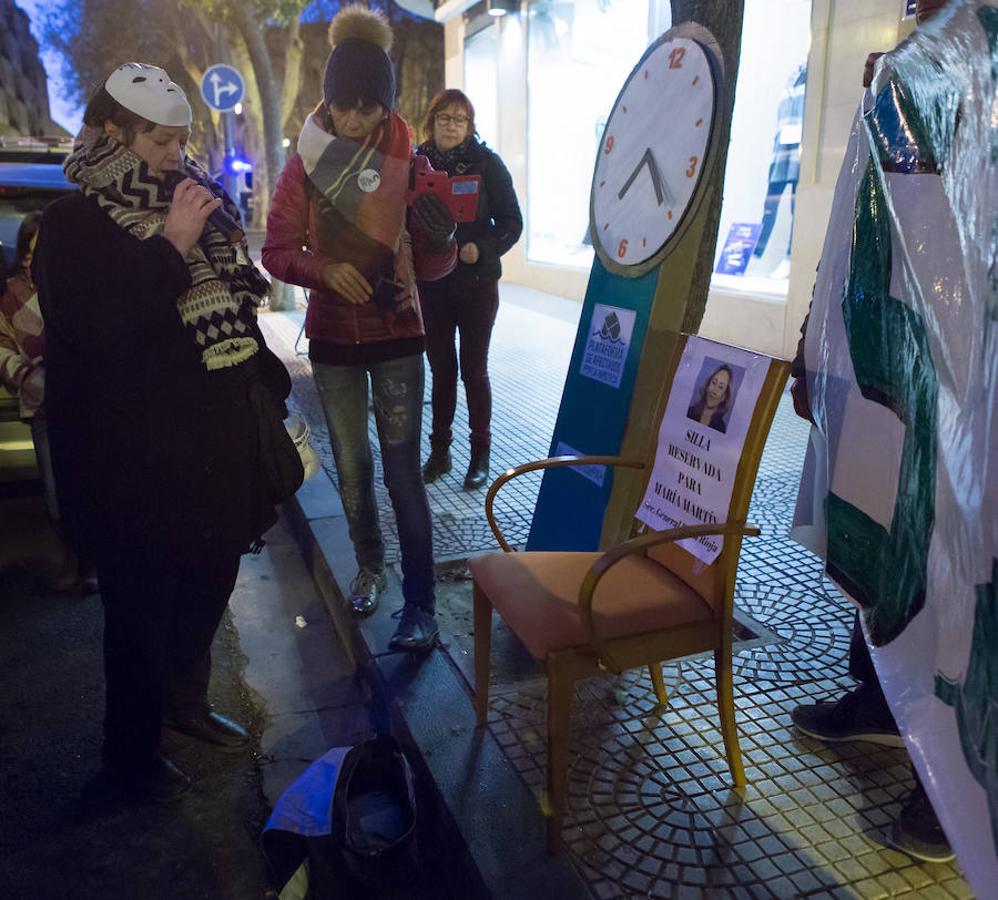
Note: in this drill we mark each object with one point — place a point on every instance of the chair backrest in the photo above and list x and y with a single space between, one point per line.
704 464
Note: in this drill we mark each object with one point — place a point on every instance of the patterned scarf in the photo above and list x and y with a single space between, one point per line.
453 161
361 188
219 309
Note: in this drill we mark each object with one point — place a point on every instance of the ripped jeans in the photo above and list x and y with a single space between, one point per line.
398 412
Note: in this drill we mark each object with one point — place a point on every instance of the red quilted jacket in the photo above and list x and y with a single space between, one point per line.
295 251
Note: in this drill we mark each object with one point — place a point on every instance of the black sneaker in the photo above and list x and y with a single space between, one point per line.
417 631
365 590
858 716
917 831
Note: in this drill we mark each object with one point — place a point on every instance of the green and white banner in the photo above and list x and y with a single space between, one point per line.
900 489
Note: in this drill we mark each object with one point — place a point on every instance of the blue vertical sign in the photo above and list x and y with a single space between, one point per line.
594 408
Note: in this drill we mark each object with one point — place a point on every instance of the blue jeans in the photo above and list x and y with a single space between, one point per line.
398 412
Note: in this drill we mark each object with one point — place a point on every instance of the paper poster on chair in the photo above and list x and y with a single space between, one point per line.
700 440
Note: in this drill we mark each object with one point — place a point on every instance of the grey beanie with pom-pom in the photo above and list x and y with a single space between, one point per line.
358 67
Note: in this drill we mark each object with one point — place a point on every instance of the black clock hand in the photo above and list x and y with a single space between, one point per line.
658 183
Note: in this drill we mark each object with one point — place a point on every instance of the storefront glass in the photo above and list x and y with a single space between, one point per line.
760 187
579 52
481 54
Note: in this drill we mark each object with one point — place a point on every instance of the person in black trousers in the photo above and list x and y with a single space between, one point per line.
154 375
466 301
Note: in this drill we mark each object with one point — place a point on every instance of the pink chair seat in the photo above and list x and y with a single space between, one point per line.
538 596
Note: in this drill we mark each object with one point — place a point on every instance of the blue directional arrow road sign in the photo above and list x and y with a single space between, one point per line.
222 87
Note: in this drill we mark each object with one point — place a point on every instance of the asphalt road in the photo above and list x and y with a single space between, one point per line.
64 832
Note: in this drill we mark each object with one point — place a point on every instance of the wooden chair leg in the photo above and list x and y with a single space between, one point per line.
726 708
560 683
483 649
658 683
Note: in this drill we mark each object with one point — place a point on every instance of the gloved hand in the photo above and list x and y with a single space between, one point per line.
432 217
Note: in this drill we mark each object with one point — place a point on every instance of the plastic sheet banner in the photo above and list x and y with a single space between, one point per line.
901 479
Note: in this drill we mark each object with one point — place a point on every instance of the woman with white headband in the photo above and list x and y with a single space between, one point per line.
156 375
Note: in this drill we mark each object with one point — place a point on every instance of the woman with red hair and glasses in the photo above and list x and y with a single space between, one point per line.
466 301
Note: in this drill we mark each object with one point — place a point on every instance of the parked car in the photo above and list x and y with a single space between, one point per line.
30 178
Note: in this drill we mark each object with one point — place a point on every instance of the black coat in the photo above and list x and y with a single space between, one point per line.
498 223
148 447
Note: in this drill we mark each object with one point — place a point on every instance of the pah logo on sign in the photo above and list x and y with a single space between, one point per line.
609 340
611 328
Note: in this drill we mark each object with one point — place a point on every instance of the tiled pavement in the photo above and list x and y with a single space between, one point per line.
650 810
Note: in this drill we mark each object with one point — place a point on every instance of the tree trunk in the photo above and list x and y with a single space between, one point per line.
253 134
684 279
419 66
724 20
207 132
282 296
293 55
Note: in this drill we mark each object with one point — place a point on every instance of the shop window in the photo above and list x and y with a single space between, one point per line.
481 77
760 187
578 56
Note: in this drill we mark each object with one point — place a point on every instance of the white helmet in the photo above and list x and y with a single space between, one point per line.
148 92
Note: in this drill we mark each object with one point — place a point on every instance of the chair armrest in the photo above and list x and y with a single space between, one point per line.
552 462
641 544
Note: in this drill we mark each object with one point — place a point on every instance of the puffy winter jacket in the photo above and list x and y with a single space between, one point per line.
296 251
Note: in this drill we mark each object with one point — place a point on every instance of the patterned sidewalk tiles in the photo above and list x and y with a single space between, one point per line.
650 810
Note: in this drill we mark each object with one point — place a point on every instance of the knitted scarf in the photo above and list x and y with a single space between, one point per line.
219 308
454 161
361 188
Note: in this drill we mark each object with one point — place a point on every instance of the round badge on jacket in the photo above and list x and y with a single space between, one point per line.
368 180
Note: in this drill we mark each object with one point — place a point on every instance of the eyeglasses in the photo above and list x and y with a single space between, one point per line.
447 118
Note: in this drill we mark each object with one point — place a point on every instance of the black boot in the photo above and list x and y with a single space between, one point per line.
478 468
417 631
439 463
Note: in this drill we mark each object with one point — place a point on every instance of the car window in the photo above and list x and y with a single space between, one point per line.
30 179
12 211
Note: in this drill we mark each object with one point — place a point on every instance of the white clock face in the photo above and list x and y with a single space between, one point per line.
652 152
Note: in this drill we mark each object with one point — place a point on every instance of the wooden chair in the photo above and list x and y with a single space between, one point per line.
638 604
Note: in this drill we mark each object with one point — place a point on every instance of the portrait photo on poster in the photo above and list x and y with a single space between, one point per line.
700 441
714 393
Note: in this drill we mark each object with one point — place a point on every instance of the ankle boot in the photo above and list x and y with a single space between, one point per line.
438 463
478 468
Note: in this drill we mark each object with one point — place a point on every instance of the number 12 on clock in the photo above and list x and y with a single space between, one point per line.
649 164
